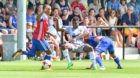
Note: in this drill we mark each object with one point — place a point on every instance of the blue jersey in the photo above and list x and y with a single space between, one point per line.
91 41
103 45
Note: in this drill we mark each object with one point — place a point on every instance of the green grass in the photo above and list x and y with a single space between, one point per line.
31 69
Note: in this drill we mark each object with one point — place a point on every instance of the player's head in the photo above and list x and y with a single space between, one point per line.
75 21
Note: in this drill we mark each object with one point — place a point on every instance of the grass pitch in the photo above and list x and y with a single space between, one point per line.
31 69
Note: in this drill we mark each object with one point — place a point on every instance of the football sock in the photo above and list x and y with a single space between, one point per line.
117 61
99 61
66 55
47 57
92 58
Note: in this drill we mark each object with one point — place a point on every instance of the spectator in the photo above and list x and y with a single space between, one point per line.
56 14
115 33
13 20
65 17
49 2
31 21
130 19
103 4
39 9
92 20
9 6
76 13
1 5
78 3
91 14
102 21
114 5
62 4
3 27
95 5
123 8
89 1
37 2
135 5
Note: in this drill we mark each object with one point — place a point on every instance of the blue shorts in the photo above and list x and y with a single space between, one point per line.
105 44
39 45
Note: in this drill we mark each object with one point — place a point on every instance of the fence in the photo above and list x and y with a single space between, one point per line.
123 33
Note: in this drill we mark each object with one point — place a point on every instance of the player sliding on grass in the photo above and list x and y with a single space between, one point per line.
102 44
38 41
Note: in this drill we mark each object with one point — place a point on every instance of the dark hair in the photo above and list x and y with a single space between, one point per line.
75 18
101 9
56 9
123 0
45 2
37 7
91 10
31 7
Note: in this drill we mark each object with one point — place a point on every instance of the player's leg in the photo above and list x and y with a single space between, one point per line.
100 48
112 54
45 47
30 53
65 52
88 48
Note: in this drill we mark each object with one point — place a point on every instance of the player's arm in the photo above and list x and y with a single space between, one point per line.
86 34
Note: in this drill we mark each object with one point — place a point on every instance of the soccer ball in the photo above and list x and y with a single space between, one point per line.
47 64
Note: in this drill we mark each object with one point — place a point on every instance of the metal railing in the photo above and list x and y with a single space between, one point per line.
123 33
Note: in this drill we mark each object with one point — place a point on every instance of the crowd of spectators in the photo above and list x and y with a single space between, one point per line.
92 13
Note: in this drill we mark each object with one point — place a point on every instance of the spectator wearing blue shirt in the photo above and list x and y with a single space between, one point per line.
130 19
13 20
3 28
113 5
30 17
31 21
135 5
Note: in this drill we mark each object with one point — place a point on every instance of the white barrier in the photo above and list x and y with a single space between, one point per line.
9 46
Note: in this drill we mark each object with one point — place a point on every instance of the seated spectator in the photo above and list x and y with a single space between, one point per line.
9 6
123 8
49 2
114 5
85 22
31 21
115 32
95 5
76 13
37 2
130 19
92 18
102 21
78 3
56 14
65 17
62 4
3 27
13 20
136 7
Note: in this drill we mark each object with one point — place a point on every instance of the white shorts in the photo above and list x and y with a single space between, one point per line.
77 48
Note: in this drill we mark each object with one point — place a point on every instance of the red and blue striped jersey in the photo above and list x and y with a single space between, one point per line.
42 28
